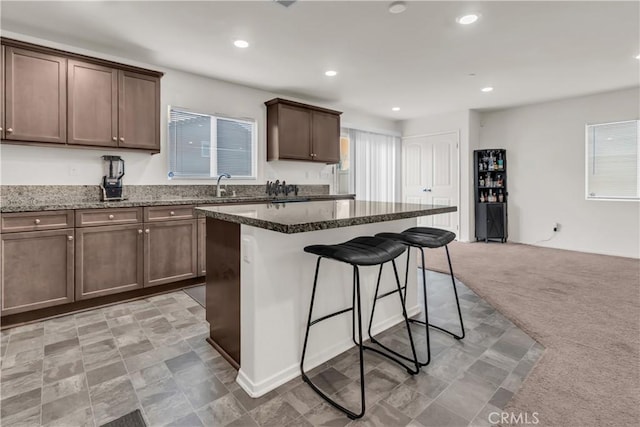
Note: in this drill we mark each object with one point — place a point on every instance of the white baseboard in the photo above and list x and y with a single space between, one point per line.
259 389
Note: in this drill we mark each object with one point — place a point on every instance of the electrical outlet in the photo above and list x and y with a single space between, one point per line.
556 227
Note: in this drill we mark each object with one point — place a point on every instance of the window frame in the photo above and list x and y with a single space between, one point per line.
214 152
586 164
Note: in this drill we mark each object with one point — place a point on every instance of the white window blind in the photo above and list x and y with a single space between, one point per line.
613 161
204 145
375 165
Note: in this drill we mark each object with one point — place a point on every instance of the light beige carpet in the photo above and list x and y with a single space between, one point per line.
584 308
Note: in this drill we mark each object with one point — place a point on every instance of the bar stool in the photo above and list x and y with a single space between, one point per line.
420 238
361 251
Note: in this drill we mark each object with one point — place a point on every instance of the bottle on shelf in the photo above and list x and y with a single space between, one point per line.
500 196
491 164
482 197
499 184
500 161
481 181
488 181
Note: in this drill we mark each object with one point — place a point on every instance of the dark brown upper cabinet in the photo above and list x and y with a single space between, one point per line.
297 131
36 96
2 92
139 112
53 96
93 104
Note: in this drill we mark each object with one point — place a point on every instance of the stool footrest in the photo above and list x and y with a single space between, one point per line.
421 322
410 371
329 316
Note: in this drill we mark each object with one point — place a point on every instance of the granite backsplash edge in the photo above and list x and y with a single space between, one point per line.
42 194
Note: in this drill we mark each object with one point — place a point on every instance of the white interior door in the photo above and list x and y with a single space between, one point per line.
430 175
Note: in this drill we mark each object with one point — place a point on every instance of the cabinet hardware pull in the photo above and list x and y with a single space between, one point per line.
0 129
114 138
37 221
122 138
172 213
140 231
147 231
10 130
69 238
111 216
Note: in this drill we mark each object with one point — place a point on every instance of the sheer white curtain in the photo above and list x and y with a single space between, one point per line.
377 160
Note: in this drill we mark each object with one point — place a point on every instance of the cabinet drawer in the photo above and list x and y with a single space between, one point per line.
91 217
33 221
167 213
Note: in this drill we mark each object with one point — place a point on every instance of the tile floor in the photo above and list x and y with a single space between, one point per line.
90 368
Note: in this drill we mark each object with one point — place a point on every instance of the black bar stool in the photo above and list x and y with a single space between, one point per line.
361 251
420 238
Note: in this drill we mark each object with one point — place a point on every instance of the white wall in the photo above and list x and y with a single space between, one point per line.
41 165
545 146
455 121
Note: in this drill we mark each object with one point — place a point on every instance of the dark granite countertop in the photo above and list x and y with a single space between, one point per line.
299 217
35 205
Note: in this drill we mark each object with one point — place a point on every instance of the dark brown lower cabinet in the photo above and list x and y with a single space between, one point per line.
109 260
202 247
37 270
171 251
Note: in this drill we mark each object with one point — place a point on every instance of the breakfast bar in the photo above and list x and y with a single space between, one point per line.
259 280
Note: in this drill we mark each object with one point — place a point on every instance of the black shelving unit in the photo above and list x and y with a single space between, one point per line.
490 189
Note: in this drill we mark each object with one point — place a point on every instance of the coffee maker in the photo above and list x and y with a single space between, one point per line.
112 180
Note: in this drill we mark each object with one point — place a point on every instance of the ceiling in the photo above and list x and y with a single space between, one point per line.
421 60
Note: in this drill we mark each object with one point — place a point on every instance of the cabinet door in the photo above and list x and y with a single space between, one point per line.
294 132
202 247
108 260
1 92
325 137
171 251
93 104
36 96
36 270
139 111
496 221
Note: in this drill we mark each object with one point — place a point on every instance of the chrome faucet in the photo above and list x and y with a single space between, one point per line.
219 190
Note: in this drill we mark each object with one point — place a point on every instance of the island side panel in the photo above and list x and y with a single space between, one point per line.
277 278
223 288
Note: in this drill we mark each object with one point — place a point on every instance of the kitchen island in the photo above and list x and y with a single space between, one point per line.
259 280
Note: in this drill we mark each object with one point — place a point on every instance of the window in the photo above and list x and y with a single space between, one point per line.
613 161
205 146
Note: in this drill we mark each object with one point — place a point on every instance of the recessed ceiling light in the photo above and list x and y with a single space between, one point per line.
241 43
395 109
637 56
467 19
331 73
397 7
487 89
